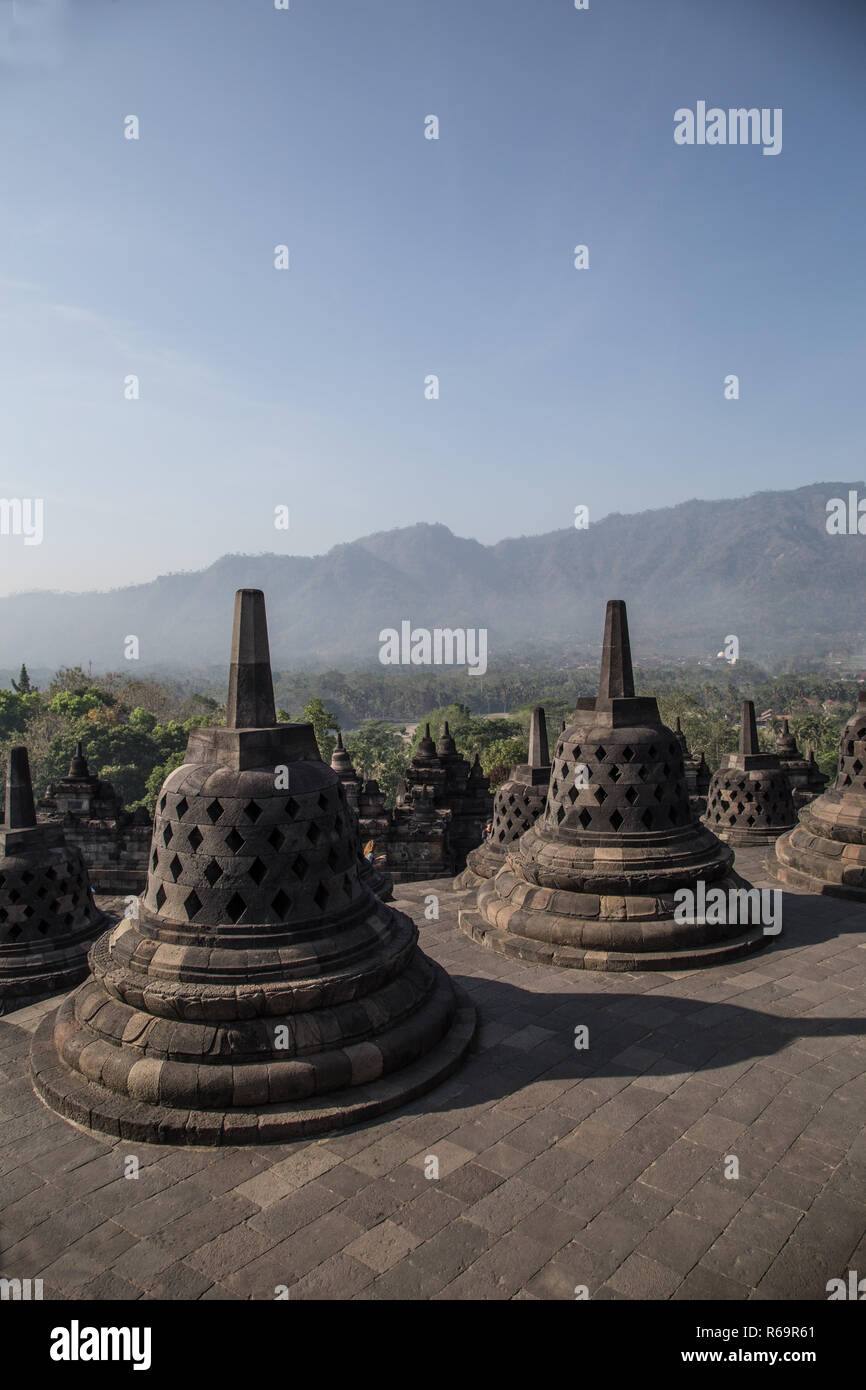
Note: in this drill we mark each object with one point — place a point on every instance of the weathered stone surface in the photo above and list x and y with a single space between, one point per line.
591 885
749 801
48 918
826 851
112 841
262 991
371 871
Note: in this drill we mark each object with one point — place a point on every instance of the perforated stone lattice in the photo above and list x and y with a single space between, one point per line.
629 786
516 807
38 904
243 860
750 801
852 760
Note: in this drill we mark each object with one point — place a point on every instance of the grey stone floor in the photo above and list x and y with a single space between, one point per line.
557 1167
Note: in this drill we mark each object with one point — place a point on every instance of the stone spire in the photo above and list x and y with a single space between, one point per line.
749 800
749 730
826 851
539 753
426 748
341 762
260 991
48 918
681 738
20 810
251 688
786 744
617 677
592 883
446 747
78 769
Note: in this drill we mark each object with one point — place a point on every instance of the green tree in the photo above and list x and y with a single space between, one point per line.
23 684
323 721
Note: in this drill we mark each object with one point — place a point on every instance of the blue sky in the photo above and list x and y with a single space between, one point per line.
409 257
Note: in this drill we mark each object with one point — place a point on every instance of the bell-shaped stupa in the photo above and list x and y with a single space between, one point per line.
591 885
826 851
261 991
749 801
806 778
48 918
517 804
372 873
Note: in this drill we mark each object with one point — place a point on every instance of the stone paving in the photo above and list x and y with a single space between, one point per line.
557 1167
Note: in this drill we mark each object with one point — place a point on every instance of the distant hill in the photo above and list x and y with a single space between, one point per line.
761 567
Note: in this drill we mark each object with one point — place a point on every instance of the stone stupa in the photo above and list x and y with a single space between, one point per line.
826 851
517 804
374 876
591 885
48 918
806 778
696 770
261 992
749 801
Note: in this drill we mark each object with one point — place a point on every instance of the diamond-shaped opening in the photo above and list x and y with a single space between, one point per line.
672 815
28 911
276 838
234 841
600 754
160 896
42 927
41 891
750 820
647 818
615 773
292 808
15 896
235 907
666 770
575 752
162 802
214 811
628 753
4 915
49 873
332 861
320 897
257 870
167 835
14 932
175 868
616 820
300 866
585 817
213 873
323 802
181 808
281 902
313 832
631 796
27 877
192 904
858 766
600 795
658 793
643 773
154 859
572 794
253 810
338 824
195 838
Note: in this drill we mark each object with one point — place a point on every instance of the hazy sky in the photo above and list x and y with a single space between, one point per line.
410 256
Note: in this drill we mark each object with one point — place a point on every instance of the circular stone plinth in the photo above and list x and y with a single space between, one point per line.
525 948
90 1105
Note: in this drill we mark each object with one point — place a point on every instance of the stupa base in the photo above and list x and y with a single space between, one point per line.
744 839
26 977
93 1107
536 952
832 868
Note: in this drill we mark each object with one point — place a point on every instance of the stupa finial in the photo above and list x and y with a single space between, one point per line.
617 676
749 729
20 810
251 687
539 753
